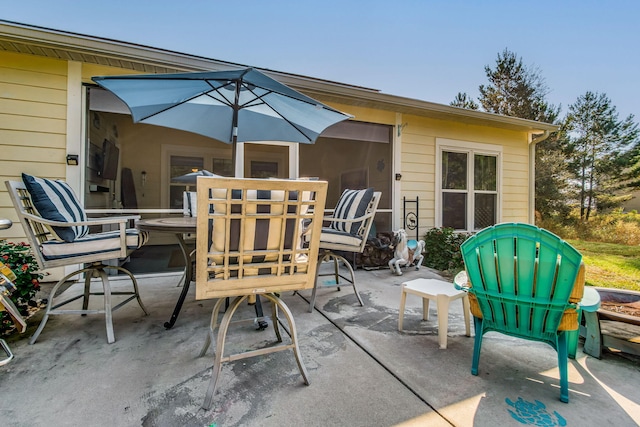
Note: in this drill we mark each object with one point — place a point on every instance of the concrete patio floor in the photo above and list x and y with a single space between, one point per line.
363 372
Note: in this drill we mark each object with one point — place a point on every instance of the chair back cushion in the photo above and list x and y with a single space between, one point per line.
522 280
55 200
250 235
189 207
352 204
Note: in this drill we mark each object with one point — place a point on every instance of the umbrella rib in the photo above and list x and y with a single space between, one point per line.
265 102
207 93
227 102
281 116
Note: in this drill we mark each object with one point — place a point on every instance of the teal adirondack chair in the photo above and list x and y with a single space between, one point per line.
525 282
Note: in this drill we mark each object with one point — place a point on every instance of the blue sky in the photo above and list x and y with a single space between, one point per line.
428 50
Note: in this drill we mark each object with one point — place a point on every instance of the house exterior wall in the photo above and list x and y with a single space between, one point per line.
418 167
35 137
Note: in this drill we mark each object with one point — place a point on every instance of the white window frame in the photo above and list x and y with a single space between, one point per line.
471 149
167 150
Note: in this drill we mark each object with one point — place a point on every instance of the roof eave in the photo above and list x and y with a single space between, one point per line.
73 46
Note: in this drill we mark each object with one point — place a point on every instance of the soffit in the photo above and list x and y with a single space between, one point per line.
31 40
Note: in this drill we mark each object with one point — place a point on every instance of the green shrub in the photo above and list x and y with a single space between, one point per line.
442 247
18 257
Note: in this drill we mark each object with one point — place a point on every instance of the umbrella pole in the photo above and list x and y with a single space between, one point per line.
234 128
234 150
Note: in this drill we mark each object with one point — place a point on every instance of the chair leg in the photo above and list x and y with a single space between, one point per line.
328 255
51 307
212 326
135 286
563 366
278 303
477 322
217 363
274 319
336 270
95 270
312 303
353 280
87 291
108 317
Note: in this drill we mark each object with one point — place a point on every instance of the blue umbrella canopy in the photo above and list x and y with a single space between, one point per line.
230 106
192 177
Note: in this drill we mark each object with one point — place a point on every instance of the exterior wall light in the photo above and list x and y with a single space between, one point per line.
72 159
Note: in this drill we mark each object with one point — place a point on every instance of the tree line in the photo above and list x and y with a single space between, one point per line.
591 164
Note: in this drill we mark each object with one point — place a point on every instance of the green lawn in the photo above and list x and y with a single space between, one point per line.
610 265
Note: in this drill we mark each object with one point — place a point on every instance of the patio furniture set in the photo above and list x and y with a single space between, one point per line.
258 238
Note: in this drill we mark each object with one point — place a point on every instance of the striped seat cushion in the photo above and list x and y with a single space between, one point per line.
108 241
55 200
329 236
352 204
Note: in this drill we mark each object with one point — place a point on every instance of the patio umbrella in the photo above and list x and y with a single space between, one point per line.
192 177
230 106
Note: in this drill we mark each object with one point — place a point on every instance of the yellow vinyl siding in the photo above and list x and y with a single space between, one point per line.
515 183
33 98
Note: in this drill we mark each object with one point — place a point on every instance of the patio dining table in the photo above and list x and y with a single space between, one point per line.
178 226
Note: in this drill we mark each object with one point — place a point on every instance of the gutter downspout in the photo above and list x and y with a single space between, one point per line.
532 171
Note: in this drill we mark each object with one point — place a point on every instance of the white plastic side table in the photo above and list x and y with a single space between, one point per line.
441 292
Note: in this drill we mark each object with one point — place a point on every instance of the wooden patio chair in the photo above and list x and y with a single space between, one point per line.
58 231
255 238
525 282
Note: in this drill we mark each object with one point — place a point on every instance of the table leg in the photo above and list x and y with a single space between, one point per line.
403 300
425 308
443 319
188 276
466 310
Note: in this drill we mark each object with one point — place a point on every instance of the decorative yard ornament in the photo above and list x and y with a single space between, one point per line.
406 252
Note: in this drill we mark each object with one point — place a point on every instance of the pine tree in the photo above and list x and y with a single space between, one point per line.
462 100
517 90
601 150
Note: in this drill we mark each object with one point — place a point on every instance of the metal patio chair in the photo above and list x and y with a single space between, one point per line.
57 229
347 231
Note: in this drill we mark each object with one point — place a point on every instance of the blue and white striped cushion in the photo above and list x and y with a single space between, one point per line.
108 241
55 200
329 236
352 204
